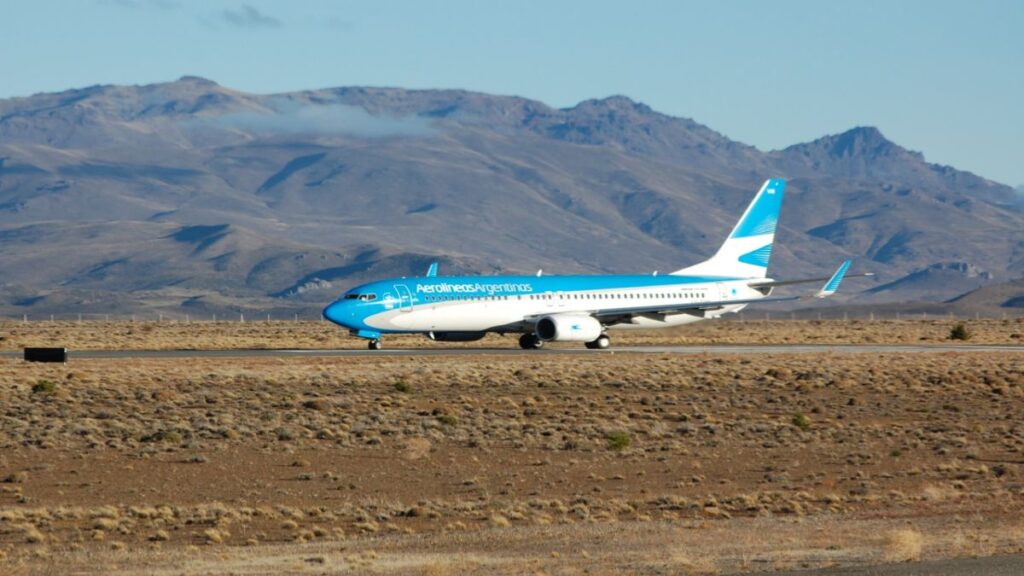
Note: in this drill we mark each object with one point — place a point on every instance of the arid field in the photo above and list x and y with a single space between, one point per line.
178 335
558 464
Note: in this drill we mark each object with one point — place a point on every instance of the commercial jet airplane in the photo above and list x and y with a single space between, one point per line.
578 308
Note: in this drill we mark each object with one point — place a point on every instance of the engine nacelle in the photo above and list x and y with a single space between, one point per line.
456 336
568 328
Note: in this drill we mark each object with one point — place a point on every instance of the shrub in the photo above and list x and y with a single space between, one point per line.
162 436
903 545
801 421
618 439
320 404
44 387
959 332
403 387
447 419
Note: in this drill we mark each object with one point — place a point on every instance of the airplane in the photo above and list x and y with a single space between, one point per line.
579 308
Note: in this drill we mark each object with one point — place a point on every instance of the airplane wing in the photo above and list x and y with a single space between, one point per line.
617 314
613 315
774 283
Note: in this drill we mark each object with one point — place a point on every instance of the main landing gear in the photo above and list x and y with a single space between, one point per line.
601 343
374 344
530 342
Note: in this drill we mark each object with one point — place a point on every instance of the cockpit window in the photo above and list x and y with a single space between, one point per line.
368 297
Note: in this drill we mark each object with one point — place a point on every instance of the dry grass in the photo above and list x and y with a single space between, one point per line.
233 335
903 545
223 453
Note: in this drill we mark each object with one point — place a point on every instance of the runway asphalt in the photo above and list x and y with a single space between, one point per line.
683 350
990 566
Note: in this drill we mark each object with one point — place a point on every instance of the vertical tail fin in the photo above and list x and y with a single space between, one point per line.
748 248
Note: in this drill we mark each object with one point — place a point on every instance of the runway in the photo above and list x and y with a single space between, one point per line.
989 566
691 350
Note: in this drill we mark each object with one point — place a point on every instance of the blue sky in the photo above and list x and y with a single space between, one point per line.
942 77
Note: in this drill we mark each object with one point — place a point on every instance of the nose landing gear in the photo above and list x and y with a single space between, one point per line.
374 344
601 343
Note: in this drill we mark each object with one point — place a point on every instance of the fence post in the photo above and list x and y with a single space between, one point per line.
241 318
24 318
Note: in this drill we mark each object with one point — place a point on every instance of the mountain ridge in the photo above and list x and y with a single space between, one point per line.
310 191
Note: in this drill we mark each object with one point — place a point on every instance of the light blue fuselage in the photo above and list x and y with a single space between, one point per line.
508 303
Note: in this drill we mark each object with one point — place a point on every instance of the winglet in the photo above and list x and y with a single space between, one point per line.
432 271
833 283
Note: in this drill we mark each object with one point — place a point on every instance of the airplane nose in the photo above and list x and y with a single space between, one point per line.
333 312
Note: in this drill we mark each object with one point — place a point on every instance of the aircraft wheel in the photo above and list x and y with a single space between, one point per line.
601 343
374 345
530 342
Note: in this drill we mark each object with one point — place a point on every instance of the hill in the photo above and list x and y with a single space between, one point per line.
189 194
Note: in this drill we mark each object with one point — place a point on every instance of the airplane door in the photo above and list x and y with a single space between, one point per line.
723 292
404 297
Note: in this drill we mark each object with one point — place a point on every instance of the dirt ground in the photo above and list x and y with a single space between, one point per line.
558 464
176 335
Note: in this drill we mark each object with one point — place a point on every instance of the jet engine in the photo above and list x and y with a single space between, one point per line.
568 328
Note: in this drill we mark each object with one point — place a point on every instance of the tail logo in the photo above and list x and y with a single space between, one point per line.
758 257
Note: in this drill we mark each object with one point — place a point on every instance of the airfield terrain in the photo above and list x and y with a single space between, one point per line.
540 463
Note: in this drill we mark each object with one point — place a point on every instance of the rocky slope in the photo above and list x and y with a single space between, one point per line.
190 194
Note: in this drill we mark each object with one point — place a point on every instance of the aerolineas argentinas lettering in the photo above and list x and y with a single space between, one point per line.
473 287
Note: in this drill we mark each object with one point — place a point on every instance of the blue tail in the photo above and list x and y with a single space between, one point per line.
747 250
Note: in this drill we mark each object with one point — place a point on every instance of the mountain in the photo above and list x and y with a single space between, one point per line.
1008 295
188 195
